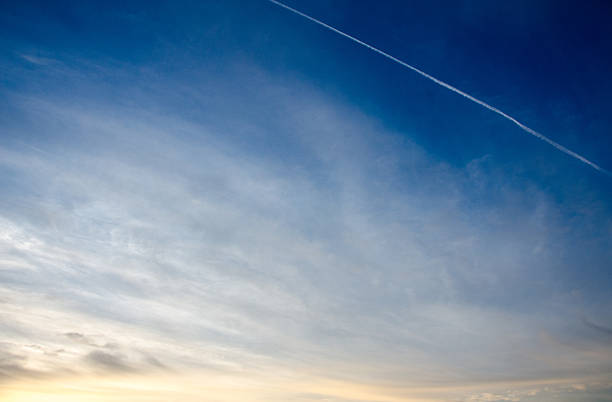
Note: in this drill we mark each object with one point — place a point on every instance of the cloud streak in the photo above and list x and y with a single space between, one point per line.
207 259
352 264
451 88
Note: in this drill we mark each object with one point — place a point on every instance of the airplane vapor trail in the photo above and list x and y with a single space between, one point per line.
448 86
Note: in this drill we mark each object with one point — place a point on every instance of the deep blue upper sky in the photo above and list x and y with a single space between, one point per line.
543 63
551 51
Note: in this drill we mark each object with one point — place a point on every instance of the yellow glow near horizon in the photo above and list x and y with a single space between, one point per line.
233 388
187 388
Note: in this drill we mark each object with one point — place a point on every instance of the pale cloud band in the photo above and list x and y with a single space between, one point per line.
148 256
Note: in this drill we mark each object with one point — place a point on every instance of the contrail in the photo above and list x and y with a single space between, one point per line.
448 86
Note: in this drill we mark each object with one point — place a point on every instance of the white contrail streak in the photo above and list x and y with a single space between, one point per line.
448 86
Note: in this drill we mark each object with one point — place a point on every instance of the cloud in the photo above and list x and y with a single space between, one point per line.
136 242
12 365
77 337
107 361
40 61
155 363
600 328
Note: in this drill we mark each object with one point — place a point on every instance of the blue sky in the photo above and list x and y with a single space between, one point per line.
223 200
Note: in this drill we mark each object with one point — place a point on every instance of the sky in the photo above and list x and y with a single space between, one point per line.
223 201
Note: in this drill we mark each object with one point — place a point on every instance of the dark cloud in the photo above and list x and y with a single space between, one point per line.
320 397
13 366
155 363
117 362
87 340
75 336
82 339
599 328
11 371
108 361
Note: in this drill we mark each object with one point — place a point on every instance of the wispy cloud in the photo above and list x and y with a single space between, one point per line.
137 243
38 60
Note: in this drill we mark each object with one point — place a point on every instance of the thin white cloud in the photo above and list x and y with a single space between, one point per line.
158 245
38 60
